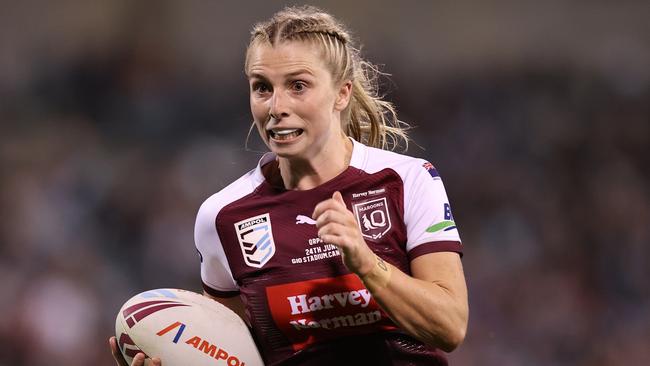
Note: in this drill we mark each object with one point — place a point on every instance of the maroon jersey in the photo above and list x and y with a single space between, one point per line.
257 240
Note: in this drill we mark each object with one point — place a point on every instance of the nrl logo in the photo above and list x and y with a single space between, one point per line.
256 240
373 218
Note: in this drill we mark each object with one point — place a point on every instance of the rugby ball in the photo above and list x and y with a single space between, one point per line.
183 328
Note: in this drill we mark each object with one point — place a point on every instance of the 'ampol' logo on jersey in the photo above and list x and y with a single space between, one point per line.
373 218
256 240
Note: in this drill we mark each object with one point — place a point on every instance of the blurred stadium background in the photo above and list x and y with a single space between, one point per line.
118 118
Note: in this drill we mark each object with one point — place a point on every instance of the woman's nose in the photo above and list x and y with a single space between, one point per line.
278 108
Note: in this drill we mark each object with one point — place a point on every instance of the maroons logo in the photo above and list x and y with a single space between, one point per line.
256 240
373 217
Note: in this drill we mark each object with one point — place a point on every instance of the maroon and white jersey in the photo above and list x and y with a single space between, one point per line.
257 240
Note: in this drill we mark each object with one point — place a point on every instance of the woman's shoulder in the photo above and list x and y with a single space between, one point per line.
234 191
373 159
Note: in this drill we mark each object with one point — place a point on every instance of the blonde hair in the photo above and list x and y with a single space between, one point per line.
367 118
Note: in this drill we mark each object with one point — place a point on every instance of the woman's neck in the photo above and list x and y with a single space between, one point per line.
304 174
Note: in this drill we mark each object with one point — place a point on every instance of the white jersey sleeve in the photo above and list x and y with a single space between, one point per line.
427 212
428 220
215 270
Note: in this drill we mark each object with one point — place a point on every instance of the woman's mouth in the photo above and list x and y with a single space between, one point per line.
284 134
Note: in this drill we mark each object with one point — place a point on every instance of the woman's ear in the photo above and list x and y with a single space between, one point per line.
343 96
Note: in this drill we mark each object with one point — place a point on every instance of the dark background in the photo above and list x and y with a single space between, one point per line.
118 118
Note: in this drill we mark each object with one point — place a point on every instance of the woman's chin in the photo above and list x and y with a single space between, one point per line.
288 153
289 150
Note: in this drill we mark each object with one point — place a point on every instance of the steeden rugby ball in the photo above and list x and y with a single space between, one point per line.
184 328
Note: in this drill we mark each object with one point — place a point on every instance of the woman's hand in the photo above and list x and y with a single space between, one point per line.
138 360
337 225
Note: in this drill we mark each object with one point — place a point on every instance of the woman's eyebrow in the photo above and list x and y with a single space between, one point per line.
294 73
255 75
299 72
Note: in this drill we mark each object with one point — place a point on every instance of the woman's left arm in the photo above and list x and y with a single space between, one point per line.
431 304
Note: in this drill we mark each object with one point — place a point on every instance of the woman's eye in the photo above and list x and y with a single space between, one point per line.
260 88
299 86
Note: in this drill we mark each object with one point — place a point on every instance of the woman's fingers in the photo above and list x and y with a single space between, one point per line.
138 360
117 355
337 225
338 198
334 203
334 216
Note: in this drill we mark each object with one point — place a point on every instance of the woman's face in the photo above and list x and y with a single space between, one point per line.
294 102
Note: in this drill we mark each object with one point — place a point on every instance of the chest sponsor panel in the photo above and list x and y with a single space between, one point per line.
310 312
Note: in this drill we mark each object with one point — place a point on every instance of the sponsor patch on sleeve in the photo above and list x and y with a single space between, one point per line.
431 169
445 225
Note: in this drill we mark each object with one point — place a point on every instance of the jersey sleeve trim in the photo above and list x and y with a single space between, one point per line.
217 293
435 247
215 267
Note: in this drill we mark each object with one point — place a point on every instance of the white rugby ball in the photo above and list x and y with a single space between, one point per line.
184 328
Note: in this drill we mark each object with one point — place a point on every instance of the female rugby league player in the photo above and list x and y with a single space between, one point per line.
334 250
